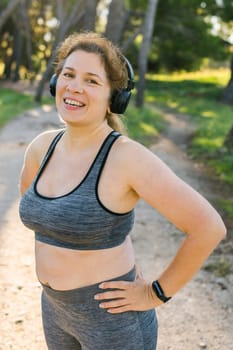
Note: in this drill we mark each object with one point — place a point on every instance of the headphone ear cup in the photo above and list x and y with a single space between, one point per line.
120 101
52 85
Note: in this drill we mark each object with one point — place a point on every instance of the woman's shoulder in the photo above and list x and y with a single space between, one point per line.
43 140
40 144
128 147
45 137
136 157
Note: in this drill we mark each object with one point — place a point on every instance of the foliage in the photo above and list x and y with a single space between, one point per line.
183 36
198 95
227 206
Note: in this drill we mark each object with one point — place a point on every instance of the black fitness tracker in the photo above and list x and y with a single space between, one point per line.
159 291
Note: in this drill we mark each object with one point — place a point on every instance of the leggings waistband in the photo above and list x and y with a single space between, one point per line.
83 293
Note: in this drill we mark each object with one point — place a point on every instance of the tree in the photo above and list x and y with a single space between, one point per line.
66 20
227 96
90 14
180 39
6 13
22 37
223 12
117 17
145 48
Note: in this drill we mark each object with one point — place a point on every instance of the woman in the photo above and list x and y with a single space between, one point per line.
79 188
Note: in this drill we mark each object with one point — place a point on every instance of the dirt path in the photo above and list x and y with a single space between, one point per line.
199 317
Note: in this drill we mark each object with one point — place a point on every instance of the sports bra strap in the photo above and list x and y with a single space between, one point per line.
50 151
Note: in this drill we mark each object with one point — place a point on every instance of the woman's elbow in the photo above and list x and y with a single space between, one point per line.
223 232
220 230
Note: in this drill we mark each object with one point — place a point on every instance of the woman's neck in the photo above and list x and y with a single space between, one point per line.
81 138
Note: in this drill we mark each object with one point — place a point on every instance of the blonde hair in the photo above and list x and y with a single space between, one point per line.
110 56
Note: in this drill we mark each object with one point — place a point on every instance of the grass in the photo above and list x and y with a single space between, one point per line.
227 206
221 268
13 103
198 94
144 124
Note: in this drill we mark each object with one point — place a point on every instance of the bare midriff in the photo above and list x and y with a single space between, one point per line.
64 269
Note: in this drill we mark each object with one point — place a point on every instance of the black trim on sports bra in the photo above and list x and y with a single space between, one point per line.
49 154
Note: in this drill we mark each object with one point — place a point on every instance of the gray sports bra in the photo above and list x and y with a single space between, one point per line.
78 219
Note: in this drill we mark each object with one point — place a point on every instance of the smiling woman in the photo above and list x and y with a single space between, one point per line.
83 88
80 186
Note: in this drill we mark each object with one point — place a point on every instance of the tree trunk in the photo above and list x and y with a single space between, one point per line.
227 96
5 14
27 33
18 41
8 68
117 17
145 49
90 15
65 23
125 45
228 142
46 75
17 54
228 99
22 32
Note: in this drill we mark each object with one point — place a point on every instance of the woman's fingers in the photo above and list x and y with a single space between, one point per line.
110 295
126 296
115 285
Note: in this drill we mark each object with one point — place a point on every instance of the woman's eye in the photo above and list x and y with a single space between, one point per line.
67 75
91 81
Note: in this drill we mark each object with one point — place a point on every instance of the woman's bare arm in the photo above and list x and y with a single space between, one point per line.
188 210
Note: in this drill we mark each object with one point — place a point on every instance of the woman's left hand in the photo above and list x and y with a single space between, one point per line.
127 296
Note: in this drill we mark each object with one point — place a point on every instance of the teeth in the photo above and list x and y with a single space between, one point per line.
73 103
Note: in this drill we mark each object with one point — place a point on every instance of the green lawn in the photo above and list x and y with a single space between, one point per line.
144 124
13 103
199 95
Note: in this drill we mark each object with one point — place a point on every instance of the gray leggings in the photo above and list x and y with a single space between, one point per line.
72 320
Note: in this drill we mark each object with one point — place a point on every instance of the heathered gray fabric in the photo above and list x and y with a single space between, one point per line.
77 220
72 320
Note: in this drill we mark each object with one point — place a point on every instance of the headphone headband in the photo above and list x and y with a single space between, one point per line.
130 72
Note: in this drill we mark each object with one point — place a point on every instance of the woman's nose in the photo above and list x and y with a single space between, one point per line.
74 86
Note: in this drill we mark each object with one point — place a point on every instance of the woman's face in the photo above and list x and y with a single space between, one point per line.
83 89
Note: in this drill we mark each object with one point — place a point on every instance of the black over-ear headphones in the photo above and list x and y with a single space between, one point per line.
119 100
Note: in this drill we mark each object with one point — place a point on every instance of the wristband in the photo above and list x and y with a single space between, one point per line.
159 291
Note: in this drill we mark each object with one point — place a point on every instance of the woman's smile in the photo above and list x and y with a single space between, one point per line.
73 104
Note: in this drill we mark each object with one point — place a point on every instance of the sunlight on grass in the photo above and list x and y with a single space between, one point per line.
216 76
210 144
1 68
148 128
198 94
144 124
13 103
209 114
